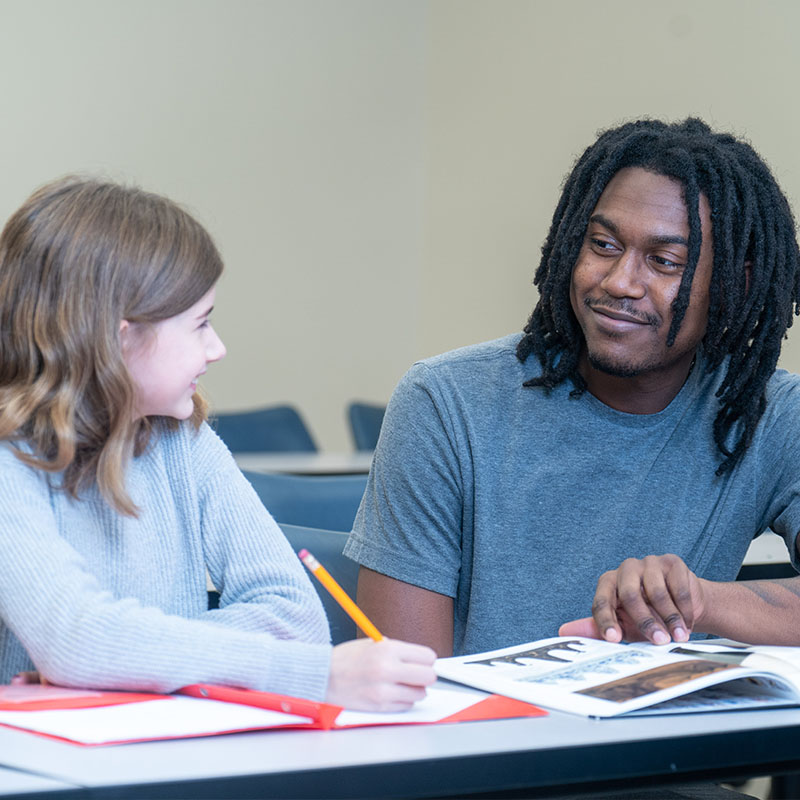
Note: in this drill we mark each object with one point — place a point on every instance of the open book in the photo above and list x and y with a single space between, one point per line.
602 679
92 717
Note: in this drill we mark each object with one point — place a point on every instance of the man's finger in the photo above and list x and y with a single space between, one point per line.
580 627
634 602
679 581
604 608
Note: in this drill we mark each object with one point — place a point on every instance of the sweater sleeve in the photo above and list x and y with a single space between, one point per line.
79 633
262 583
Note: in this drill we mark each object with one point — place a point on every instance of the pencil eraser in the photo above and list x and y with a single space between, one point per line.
303 553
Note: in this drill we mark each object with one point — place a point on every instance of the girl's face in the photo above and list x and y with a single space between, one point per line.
166 359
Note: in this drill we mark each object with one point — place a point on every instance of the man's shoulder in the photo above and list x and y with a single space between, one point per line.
500 352
783 387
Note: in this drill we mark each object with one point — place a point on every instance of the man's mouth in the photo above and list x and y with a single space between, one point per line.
620 314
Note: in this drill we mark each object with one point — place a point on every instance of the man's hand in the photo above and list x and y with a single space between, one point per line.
655 599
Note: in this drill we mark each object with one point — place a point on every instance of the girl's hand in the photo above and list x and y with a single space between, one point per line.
389 675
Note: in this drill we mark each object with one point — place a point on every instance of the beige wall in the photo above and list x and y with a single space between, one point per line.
519 87
379 174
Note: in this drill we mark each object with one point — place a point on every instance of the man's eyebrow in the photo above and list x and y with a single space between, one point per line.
657 239
669 240
605 222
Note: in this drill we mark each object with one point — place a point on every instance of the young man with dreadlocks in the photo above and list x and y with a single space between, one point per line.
639 411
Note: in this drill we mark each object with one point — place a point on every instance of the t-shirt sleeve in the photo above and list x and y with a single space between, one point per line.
410 519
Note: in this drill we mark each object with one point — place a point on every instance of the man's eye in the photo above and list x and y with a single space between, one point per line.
602 244
667 263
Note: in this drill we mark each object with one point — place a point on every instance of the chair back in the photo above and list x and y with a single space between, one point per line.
329 502
326 547
365 424
274 429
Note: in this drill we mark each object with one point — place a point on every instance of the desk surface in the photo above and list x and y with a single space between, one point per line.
306 463
769 548
542 755
15 783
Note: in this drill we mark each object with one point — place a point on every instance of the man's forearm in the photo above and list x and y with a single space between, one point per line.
756 612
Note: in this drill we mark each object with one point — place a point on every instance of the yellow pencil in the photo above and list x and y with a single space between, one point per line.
340 595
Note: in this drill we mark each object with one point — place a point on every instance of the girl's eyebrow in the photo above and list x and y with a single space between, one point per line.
205 313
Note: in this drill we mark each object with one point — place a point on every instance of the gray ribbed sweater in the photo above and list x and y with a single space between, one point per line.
95 599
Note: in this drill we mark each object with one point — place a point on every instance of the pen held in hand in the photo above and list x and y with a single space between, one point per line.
339 594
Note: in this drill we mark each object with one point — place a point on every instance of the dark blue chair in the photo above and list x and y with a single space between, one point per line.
329 502
326 547
365 424
274 429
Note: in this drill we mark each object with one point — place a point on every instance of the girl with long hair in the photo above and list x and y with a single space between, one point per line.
116 497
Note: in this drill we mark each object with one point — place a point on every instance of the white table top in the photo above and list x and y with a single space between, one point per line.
769 548
357 463
14 782
426 759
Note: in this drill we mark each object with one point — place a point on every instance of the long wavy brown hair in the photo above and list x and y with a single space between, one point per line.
76 259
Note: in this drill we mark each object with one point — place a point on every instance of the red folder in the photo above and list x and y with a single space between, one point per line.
26 707
325 716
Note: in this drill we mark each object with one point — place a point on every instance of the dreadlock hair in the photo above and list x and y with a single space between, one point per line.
752 224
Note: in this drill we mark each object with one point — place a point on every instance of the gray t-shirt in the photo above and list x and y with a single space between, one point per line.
513 501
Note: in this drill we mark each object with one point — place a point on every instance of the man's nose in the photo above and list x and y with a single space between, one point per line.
625 276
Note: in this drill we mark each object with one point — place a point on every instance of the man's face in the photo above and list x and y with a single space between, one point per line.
628 274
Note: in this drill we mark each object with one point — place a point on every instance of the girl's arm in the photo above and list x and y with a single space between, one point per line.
64 596
262 583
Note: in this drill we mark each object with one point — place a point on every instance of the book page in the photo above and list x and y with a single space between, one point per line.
783 661
592 677
755 692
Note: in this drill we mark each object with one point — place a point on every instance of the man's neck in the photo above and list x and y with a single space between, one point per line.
647 393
